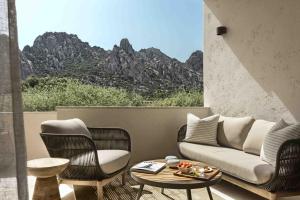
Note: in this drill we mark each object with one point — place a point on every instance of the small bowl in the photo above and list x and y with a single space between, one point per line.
172 163
170 158
185 170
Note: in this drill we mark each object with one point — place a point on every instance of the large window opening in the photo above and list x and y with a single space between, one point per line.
110 53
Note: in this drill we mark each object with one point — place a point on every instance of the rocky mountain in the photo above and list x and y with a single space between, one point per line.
144 71
196 61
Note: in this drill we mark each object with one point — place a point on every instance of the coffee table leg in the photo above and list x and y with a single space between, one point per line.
209 193
189 194
162 190
140 192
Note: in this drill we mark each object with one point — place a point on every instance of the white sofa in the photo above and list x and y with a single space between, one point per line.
238 156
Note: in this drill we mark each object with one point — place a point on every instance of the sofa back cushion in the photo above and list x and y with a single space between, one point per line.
202 131
232 131
279 134
69 126
256 136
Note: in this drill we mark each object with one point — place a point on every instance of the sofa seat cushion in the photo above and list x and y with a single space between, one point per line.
113 160
234 162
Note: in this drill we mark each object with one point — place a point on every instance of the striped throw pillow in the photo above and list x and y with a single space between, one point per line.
202 131
280 133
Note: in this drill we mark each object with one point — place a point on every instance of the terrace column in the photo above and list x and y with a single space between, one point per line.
13 179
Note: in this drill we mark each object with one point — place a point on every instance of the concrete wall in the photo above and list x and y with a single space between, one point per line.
34 144
255 68
153 131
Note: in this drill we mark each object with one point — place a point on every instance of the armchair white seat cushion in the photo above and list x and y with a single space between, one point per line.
112 161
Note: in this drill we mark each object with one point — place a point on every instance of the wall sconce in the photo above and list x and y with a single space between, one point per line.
221 30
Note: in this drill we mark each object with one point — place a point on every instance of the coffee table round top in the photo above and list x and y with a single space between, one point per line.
46 167
167 179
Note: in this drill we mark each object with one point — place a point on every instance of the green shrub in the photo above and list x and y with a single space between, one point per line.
181 98
51 92
44 94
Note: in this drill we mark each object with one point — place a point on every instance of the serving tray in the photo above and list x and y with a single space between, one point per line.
205 177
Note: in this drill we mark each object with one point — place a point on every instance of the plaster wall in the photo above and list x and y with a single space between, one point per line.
153 131
254 69
32 125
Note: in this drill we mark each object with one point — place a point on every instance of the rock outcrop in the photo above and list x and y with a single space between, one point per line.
144 71
196 61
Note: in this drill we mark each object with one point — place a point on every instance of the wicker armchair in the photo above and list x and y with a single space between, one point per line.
97 155
286 179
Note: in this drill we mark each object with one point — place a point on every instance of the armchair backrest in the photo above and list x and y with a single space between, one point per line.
72 140
69 126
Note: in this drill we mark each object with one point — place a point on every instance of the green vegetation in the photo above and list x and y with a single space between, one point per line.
44 94
181 98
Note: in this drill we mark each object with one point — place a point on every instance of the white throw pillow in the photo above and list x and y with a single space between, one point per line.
202 131
280 133
233 131
256 136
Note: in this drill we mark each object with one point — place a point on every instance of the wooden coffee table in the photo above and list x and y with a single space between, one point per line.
166 179
46 169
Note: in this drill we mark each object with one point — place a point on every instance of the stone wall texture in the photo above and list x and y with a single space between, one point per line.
254 69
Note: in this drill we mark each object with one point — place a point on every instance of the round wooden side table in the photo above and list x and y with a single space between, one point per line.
167 179
45 170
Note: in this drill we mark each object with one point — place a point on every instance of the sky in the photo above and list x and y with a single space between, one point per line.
173 26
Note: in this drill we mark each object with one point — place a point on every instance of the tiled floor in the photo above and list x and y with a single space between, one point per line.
8 188
223 191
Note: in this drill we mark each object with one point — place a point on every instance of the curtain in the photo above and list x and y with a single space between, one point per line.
13 179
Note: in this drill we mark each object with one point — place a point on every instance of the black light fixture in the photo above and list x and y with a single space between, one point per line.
221 30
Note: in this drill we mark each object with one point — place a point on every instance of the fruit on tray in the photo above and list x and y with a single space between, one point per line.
185 167
185 164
